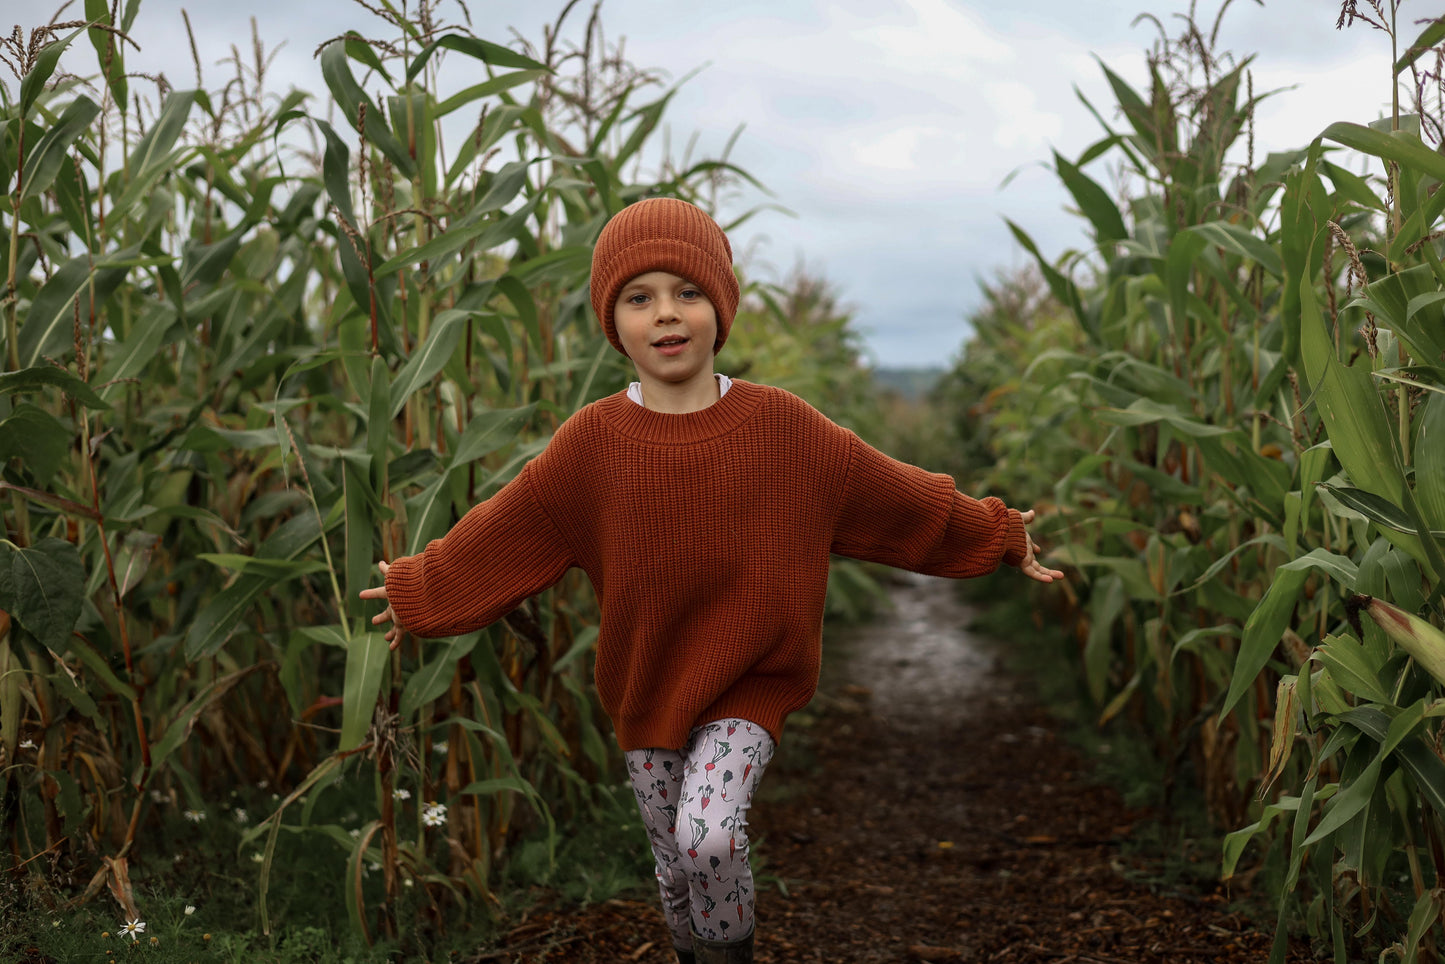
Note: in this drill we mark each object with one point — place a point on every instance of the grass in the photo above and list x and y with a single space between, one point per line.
604 854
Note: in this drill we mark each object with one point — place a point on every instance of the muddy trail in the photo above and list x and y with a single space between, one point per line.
934 812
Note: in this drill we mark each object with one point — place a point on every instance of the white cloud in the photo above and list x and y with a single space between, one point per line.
893 151
1018 123
887 125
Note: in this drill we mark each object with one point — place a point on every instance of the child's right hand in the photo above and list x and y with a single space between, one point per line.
393 632
1030 566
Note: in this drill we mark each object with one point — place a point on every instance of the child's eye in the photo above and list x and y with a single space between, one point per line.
637 299
689 294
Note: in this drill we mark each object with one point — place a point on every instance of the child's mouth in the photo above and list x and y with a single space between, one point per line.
671 345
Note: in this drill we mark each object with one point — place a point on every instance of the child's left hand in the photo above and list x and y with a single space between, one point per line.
1031 566
393 632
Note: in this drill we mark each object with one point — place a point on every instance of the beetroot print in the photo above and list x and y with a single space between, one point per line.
694 803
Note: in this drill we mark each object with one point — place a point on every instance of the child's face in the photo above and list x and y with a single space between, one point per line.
668 327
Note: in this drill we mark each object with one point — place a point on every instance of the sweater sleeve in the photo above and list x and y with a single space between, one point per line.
502 551
903 516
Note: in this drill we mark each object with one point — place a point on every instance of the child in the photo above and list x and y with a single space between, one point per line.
704 510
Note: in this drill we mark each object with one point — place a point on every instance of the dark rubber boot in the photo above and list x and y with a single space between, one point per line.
723 952
685 956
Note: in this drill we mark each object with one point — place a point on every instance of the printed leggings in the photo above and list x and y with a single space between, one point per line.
694 804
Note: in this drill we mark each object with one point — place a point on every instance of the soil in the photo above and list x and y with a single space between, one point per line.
934 812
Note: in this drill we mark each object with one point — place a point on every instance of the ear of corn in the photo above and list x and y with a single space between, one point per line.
1425 643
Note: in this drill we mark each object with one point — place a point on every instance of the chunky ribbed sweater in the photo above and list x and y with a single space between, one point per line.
707 537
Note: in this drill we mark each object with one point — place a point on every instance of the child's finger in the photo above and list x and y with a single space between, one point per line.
1027 515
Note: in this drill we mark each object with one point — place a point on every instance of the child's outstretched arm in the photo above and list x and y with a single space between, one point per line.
502 551
904 516
1030 566
393 632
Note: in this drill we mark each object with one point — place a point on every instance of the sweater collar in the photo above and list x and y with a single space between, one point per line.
727 413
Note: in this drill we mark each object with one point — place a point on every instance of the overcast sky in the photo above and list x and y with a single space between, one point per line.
886 126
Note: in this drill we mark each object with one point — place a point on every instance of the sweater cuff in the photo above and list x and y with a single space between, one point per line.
1015 539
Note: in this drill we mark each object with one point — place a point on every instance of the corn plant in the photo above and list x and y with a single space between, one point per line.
253 344
1245 424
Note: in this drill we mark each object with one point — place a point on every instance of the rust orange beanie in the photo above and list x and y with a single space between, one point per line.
664 234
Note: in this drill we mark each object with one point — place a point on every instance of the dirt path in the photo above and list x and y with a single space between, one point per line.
933 813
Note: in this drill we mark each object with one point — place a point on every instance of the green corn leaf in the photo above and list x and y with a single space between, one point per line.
1351 187
360 525
1236 841
139 349
1423 328
1353 667
336 173
489 431
36 378
1428 907
109 52
323 773
1238 241
1135 109
44 161
367 655
489 53
487 88
428 514
1262 632
433 679
1063 288
1402 147
1132 571
97 664
360 51
1348 803
203 264
49 327
275 569
1431 36
185 721
647 118
1430 461
350 98
213 625
1341 568
154 156
481 788
1106 604
1415 756
33 83
483 234
1145 411
1180 263
1379 511
1093 201
1349 405
447 330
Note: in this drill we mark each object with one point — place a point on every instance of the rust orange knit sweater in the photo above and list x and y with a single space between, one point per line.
706 537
